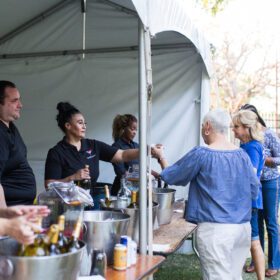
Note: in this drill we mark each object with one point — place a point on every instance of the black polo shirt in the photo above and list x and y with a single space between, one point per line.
122 167
64 159
16 175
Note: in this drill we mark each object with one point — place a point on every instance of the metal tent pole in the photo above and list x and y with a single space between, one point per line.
83 10
163 47
142 95
148 65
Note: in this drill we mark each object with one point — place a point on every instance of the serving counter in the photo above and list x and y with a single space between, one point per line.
168 238
145 266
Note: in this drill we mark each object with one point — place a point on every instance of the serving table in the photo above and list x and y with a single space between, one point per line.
168 238
145 266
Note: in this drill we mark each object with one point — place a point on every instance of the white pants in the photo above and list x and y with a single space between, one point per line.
223 249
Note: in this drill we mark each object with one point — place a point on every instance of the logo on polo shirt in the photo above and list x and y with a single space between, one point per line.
89 154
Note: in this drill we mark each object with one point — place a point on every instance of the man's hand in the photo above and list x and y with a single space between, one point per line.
19 210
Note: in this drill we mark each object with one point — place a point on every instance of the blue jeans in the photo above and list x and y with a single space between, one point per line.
255 225
269 214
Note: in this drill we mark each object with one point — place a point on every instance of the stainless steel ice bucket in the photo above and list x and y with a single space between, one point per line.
102 230
133 227
165 198
60 267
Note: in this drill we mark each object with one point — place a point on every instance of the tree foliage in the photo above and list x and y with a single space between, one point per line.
237 82
213 6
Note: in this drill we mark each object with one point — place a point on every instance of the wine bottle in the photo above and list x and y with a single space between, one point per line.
84 183
73 244
123 192
62 240
108 201
53 245
133 203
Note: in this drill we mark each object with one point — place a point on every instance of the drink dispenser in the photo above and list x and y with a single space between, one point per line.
67 199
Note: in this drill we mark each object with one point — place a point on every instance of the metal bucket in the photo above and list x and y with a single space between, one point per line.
165 199
102 230
133 227
60 267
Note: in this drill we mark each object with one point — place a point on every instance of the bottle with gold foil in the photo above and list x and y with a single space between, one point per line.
62 240
133 203
38 248
53 237
108 201
73 244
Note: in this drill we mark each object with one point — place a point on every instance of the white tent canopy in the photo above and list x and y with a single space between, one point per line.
41 47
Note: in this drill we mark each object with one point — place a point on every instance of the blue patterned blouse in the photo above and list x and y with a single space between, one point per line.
222 184
271 149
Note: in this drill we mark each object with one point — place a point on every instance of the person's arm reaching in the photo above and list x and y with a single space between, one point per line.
125 155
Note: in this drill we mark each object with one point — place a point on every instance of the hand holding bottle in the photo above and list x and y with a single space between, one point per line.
82 174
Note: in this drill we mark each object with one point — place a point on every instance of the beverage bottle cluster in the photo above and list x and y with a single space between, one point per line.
54 242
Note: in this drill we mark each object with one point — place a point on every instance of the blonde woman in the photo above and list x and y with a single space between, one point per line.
249 131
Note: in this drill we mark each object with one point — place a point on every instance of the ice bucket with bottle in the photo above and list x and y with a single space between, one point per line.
102 230
59 267
134 213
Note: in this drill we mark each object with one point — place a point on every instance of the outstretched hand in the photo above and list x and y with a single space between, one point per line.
157 151
19 210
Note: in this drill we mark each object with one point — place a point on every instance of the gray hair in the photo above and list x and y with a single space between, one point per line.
219 120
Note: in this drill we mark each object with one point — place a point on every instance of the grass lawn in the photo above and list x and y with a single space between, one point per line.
181 267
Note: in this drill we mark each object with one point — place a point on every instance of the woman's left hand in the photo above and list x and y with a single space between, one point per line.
269 162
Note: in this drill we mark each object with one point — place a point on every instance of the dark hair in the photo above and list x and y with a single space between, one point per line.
3 86
121 122
65 113
254 109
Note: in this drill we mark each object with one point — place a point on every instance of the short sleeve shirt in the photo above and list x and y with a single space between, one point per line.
64 159
16 175
254 149
121 168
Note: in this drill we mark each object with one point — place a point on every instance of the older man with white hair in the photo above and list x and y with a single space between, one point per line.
222 185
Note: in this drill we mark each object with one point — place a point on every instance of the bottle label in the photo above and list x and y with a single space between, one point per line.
120 257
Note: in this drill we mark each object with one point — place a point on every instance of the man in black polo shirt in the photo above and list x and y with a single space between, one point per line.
16 176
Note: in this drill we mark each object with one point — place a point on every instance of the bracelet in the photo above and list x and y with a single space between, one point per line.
160 159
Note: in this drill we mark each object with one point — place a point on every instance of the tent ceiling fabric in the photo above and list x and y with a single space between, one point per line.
65 32
104 84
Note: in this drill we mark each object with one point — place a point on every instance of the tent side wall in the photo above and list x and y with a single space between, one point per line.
101 87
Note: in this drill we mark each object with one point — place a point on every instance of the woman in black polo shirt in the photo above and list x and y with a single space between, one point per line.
124 131
67 160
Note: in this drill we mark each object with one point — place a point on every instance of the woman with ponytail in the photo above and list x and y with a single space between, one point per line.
124 131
